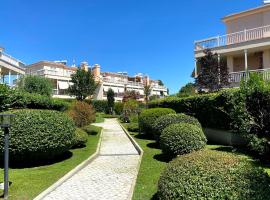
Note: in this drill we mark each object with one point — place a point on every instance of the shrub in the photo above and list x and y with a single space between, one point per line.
182 138
209 174
148 117
39 134
162 122
130 109
133 127
82 113
20 99
81 138
99 105
91 129
4 97
118 108
36 84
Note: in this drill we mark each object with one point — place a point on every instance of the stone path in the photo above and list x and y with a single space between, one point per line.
110 176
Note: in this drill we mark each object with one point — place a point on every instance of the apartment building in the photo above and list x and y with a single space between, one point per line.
57 71
245 46
10 68
121 82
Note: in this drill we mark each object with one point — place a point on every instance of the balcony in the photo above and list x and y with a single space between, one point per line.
233 38
10 60
236 77
44 72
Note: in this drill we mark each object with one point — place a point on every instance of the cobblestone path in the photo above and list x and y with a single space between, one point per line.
110 176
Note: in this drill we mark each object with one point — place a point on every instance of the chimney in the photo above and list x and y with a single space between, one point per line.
96 71
84 66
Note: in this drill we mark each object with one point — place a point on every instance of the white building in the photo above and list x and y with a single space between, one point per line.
121 82
57 71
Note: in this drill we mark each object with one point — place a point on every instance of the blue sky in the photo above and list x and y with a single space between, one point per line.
154 37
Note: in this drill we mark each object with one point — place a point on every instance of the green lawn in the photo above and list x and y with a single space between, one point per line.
154 162
29 182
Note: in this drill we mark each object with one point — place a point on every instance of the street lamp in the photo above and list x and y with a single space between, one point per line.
5 124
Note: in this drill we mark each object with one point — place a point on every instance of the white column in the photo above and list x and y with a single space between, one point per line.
195 68
9 77
219 69
17 76
57 88
246 60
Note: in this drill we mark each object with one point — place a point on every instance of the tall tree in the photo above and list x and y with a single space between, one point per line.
187 90
83 86
147 92
110 99
160 83
213 72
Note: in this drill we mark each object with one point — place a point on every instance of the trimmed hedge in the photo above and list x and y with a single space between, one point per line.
20 99
221 110
99 105
209 174
182 138
39 134
4 97
148 117
81 138
162 122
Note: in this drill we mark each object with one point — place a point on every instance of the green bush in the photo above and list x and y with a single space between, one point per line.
20 99
223 110
118 108
162 122
133 127
148 117
131 108
39 134
99 105
209 174
82 113
91 129
36 84
182 138
81 138
4 97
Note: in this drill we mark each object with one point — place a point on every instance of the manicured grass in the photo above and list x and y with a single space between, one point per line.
27 183
99 118
153 163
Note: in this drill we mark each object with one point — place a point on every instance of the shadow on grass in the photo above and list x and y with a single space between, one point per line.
153 145
163 157
143 136
154 197
34 163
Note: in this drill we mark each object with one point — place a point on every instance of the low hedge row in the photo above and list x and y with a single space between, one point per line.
209 174
217 110
148 117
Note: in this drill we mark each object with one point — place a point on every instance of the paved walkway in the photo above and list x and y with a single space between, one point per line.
110 176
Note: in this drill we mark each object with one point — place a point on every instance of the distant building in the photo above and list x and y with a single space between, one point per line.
57 71
246 45
121 82
10 68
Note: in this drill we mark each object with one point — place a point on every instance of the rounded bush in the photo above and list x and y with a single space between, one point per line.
148 117
162 122
133 127
81 138
182 138
39 134
209 174
82 113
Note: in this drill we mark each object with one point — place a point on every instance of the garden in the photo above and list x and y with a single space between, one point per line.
182 160
48 137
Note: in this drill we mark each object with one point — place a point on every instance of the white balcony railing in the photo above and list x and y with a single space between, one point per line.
236 77
233 38
44 72
13 61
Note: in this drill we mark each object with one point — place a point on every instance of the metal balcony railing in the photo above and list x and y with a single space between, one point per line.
236 77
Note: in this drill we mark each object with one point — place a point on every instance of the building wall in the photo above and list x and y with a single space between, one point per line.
248 22
253 62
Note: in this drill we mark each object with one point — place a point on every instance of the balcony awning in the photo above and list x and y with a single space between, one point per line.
63 85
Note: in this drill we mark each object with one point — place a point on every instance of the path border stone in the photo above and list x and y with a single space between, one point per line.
72 172
91 159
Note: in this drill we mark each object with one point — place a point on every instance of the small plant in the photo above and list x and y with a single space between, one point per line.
209 174
130 110
162 122
182 138
81 138
82 113
148 117
110 100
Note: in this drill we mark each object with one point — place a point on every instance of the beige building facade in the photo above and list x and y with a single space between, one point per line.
246 45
